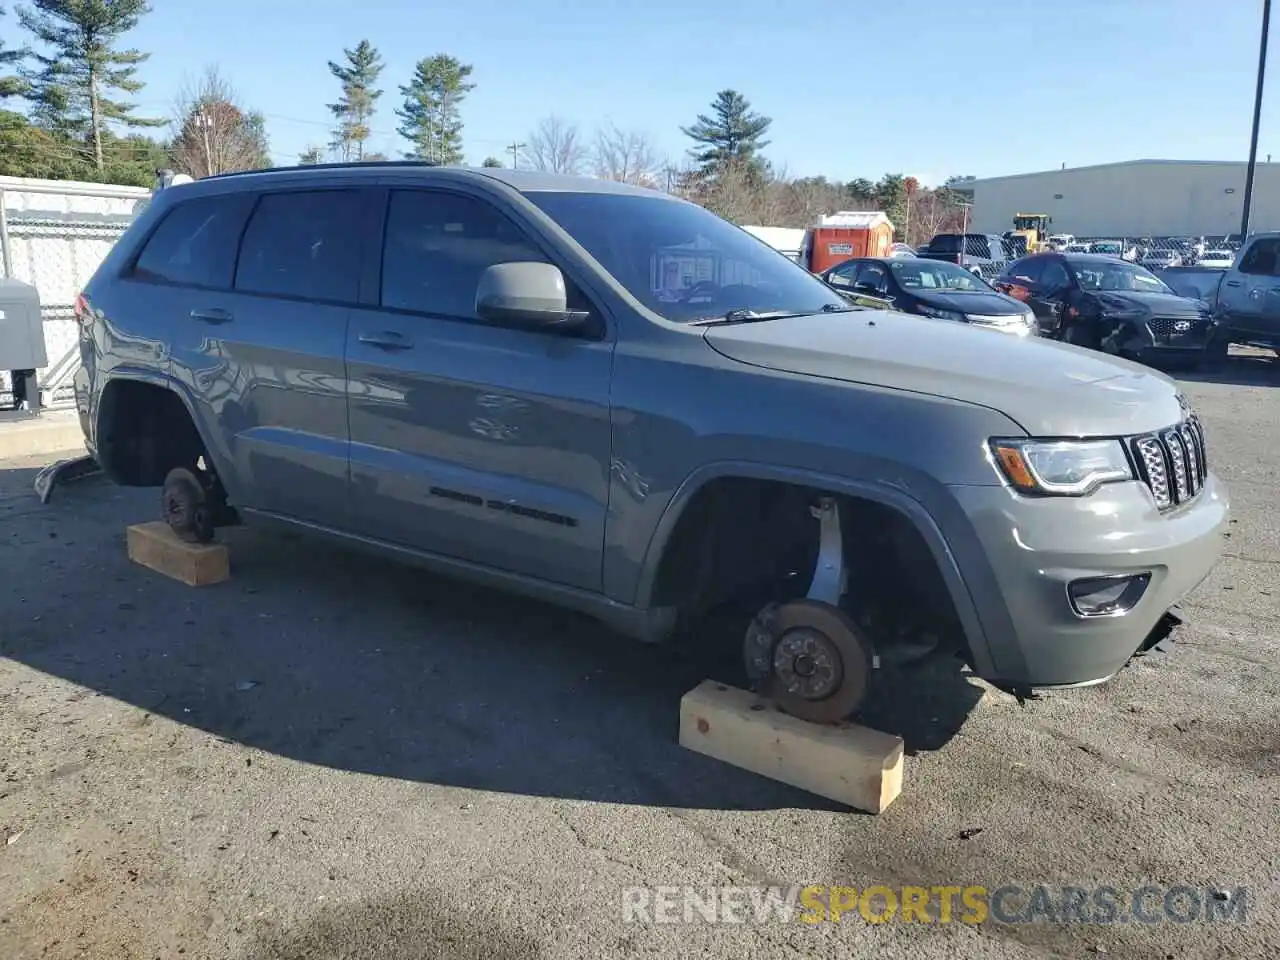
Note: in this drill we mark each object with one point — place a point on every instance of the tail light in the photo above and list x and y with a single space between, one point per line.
82 310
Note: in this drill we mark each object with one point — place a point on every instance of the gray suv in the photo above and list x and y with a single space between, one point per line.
612 399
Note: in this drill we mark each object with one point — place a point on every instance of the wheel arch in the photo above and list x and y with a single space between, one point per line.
113 393
891 498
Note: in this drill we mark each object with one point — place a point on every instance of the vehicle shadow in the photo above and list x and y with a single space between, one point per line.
1241 369
335 658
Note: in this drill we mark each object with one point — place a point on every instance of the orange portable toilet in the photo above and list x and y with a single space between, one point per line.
849 233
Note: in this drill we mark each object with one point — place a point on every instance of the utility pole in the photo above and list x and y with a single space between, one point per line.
515 149
204 121
1257 118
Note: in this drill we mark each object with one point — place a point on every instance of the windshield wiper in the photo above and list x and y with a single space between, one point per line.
743 315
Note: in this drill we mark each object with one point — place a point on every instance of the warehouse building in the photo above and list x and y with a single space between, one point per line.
1136 198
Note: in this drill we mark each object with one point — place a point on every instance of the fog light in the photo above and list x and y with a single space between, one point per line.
1107 596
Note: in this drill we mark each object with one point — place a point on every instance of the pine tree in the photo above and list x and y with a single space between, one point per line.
310 156
10 84
82 67
730 136
431 117
355 109
491 162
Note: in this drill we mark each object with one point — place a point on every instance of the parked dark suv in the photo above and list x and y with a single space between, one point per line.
612 398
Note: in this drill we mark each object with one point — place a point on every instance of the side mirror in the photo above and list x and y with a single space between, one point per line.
526 294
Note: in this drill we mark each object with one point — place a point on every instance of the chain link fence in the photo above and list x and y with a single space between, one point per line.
53 235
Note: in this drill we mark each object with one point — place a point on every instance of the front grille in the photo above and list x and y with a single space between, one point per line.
1172 462
1165 328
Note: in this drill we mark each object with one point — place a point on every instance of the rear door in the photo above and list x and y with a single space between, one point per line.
267 357
473 440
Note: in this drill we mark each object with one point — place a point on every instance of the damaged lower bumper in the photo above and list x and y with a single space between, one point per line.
1159 641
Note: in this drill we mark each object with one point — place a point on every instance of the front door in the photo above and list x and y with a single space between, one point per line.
1249 299
471 440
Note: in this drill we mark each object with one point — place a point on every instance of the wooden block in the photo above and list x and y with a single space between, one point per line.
846 763
157 547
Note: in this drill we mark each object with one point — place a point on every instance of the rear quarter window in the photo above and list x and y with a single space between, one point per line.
195 243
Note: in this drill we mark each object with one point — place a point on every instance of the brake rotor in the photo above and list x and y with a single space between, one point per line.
183 506
811 659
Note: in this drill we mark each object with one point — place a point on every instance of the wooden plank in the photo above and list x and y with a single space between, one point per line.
845 762
155 546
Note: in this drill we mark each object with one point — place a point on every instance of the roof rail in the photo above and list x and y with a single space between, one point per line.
337 165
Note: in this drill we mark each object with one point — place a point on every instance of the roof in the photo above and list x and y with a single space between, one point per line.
786 238
526 181
1087 257
858 219
970 184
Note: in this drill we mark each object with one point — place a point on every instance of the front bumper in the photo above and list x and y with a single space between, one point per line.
1036 547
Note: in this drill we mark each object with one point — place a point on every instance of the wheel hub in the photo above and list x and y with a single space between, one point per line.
807 663
810 658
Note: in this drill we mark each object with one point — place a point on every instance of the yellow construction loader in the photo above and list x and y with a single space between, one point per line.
1033 228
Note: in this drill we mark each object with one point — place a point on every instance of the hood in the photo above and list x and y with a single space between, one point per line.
980 304
1050 389
1156 304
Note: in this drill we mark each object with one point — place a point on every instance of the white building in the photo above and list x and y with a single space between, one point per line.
1136 198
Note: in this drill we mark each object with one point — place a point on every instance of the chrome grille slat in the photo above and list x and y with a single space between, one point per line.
1173 463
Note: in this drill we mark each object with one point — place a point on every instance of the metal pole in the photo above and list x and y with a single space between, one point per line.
5 255
1257 118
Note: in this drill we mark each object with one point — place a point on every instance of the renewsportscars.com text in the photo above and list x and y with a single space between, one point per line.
969 904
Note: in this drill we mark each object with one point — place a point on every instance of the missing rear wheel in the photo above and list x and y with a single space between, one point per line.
185 507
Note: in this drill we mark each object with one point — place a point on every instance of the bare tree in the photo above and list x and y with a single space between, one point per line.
212 132
934 212
556 146
626 155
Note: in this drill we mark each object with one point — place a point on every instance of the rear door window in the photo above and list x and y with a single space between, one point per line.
844 275
873 275
1026 272
195 244
1054 279
304 244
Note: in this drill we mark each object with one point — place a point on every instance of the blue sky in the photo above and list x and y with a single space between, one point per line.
859 88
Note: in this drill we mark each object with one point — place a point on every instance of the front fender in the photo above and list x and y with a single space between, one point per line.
944 528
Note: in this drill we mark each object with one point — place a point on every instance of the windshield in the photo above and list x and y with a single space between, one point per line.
681 261
936 275
1116 275
1106 248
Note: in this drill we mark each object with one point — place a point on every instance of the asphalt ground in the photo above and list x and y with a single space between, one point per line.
331 756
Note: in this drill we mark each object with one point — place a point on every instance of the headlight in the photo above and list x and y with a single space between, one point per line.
1070 468
940 314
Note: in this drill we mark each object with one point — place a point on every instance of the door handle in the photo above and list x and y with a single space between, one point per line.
386 340
1235 283
212 315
